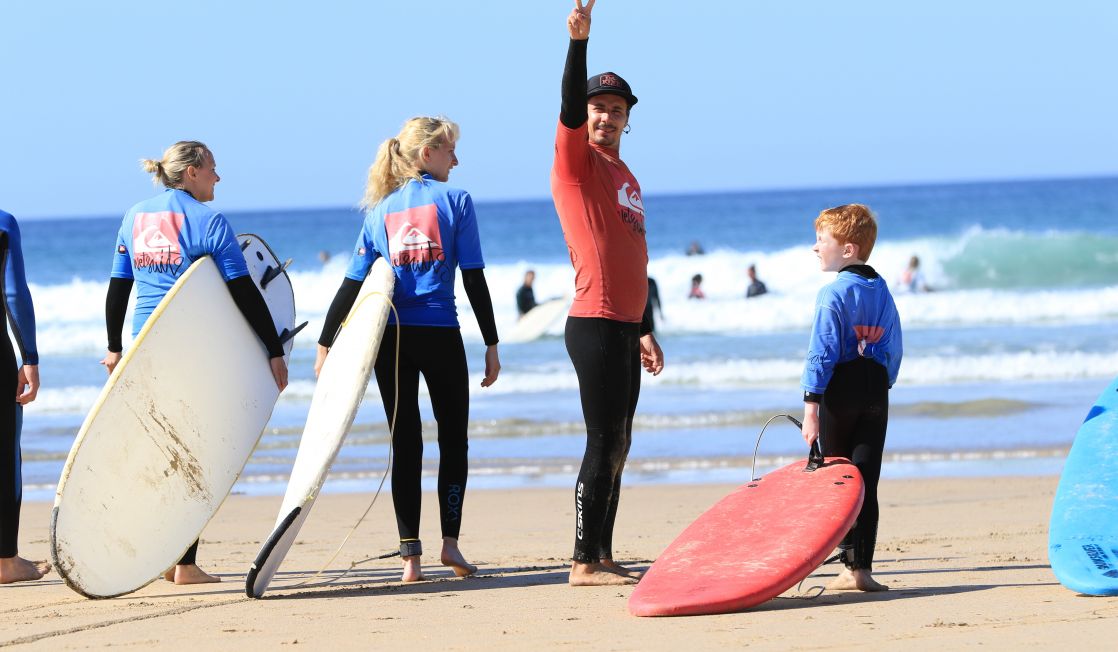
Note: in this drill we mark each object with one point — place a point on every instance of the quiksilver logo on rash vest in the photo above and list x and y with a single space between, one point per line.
630 207
414 239
155 242
867 336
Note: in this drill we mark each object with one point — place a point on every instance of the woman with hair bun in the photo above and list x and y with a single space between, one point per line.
425 229
158 241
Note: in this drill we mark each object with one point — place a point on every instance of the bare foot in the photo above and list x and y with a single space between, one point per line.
856 580
413 570
189 574
18 569
596 575
615 567
452 556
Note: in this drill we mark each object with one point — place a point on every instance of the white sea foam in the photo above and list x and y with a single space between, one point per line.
71 315
734 372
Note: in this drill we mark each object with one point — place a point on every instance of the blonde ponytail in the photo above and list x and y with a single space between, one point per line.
399 159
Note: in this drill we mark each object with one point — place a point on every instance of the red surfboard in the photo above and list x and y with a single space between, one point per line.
755 543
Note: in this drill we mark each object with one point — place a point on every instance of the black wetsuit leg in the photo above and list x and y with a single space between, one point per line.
854 416
437 353
606 357
191 555
11 477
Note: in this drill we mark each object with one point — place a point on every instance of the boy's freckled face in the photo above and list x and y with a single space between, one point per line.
830 252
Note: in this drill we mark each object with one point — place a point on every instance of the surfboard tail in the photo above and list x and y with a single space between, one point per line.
265 565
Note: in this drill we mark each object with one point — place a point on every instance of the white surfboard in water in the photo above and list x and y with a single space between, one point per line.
170 433
536 322
337 396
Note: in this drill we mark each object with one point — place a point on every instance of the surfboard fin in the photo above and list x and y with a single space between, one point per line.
245 244
272 272
290 334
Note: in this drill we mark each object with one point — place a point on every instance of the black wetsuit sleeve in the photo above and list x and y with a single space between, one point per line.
573 112
252 306
339 308
646 319
477 290
116 306
812 397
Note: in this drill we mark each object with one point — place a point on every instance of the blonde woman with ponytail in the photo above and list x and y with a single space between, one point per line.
426 229
158 240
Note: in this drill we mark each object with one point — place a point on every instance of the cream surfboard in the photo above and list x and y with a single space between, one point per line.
337 395
170 432
536 322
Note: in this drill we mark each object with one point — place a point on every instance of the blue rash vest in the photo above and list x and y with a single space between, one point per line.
160 238
17 297
425 229
854 316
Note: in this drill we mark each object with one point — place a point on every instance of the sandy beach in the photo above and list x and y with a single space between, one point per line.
965 559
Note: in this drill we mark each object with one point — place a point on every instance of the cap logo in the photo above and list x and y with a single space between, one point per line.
609 80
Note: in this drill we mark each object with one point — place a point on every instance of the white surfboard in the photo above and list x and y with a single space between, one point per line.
170 432
337 396
536 322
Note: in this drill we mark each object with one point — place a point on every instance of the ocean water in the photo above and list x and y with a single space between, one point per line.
1002 360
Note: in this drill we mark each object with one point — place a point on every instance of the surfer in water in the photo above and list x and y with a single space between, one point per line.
853 358
157 242
426 229
598 201
23 385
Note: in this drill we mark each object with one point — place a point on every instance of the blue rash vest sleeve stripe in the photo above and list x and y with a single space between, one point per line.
17 296
824 350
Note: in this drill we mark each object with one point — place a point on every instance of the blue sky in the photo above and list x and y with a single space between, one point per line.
294 97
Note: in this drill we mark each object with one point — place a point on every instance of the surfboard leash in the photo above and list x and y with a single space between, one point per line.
753 469
384 476
818 589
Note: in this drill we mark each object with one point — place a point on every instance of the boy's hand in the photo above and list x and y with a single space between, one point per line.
810 429
578 23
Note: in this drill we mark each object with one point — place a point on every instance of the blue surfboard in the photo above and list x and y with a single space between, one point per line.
1083 533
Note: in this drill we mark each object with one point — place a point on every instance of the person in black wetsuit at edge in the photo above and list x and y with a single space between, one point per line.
22 383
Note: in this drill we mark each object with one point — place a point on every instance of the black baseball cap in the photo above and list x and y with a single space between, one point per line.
610 83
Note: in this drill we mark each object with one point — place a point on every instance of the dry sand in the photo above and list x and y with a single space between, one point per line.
965 559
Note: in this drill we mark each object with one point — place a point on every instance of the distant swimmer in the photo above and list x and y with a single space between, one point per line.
526 296
21 382
756 288
598 201
427 230
697 287
695 249
158 240
912 279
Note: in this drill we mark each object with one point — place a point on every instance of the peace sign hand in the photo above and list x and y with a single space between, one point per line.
578 23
